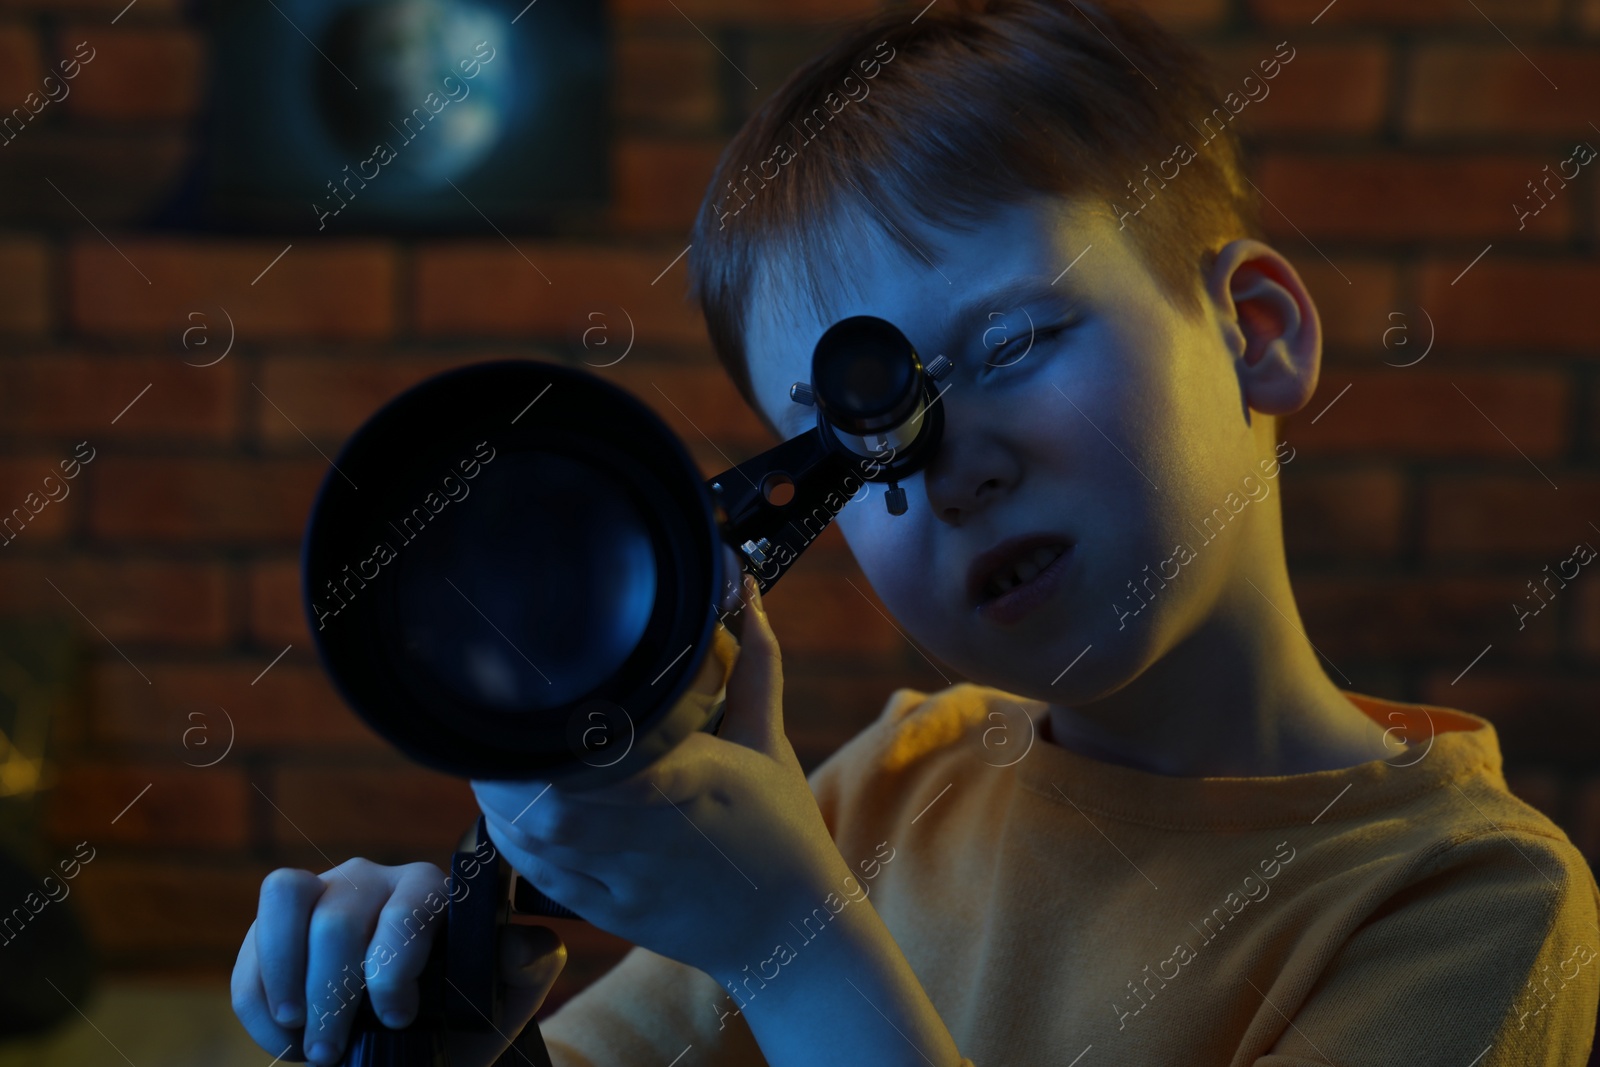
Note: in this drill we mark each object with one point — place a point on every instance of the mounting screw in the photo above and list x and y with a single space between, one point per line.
801 393
895 498
756 550
938 367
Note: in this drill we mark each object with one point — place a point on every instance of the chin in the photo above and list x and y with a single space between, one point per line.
1114 660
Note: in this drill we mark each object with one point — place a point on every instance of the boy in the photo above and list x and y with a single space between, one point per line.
1154 834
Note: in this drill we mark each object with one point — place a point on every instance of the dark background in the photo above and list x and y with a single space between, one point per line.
1417 508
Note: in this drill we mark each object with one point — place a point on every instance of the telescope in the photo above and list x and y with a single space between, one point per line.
513 570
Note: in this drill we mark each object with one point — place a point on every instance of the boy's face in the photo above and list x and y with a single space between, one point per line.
1122 422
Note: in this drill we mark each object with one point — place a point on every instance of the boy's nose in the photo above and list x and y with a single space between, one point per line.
971 467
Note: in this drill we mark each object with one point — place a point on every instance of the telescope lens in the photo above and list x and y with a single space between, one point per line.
532 590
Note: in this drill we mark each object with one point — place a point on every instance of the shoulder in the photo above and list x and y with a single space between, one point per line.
1478 822
1507 857
914 731
915 727
1484 941
1471 861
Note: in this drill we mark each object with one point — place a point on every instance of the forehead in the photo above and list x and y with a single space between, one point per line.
948 289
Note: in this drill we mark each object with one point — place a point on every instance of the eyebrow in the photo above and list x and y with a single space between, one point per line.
1010 296
1029 289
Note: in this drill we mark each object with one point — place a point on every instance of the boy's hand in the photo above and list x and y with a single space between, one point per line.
315 933
703 856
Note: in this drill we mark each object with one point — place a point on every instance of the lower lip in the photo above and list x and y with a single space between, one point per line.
1019 600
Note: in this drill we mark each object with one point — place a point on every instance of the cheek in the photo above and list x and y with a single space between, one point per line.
884 545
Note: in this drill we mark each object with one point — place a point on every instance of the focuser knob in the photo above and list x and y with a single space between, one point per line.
895 499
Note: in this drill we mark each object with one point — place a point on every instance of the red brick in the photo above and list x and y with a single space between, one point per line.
697 402
183 807
1541 789
1586 617
143 9
1416 412
480 290
1393 197
1385 619
1591 443
353 808
1593 232
158 912
277 607
132 601
1585 820
111 175
20 69
330 399
1524 610
659 184
1354 312
137 73
1335 88
1354 514
330 291
76 397
839 614
1588 16
25 304
292 708
196 501
1470 89
1185 15
19 523
670 81
1509 301
1509 516
741 11
824 707
1297 15
1542 718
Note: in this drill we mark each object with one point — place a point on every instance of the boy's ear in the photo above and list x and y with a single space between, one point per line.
1270 325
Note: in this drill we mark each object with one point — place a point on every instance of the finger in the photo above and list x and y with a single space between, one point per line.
531 959
731 574
250 1005
754 699
402 941
340 928
566 886
287 897
516 844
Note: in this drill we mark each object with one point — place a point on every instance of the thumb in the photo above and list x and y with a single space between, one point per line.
531 956
753 710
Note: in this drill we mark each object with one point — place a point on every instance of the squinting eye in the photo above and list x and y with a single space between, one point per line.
1009 355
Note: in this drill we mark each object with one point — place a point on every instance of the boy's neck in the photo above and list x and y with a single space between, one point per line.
1244 695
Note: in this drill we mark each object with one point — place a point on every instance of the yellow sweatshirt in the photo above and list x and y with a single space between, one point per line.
1401 912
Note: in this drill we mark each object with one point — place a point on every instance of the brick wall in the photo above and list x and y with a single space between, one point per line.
1422 501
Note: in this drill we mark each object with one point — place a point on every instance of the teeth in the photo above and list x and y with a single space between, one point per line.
1025 570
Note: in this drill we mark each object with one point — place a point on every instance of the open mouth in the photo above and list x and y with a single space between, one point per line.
1021 571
